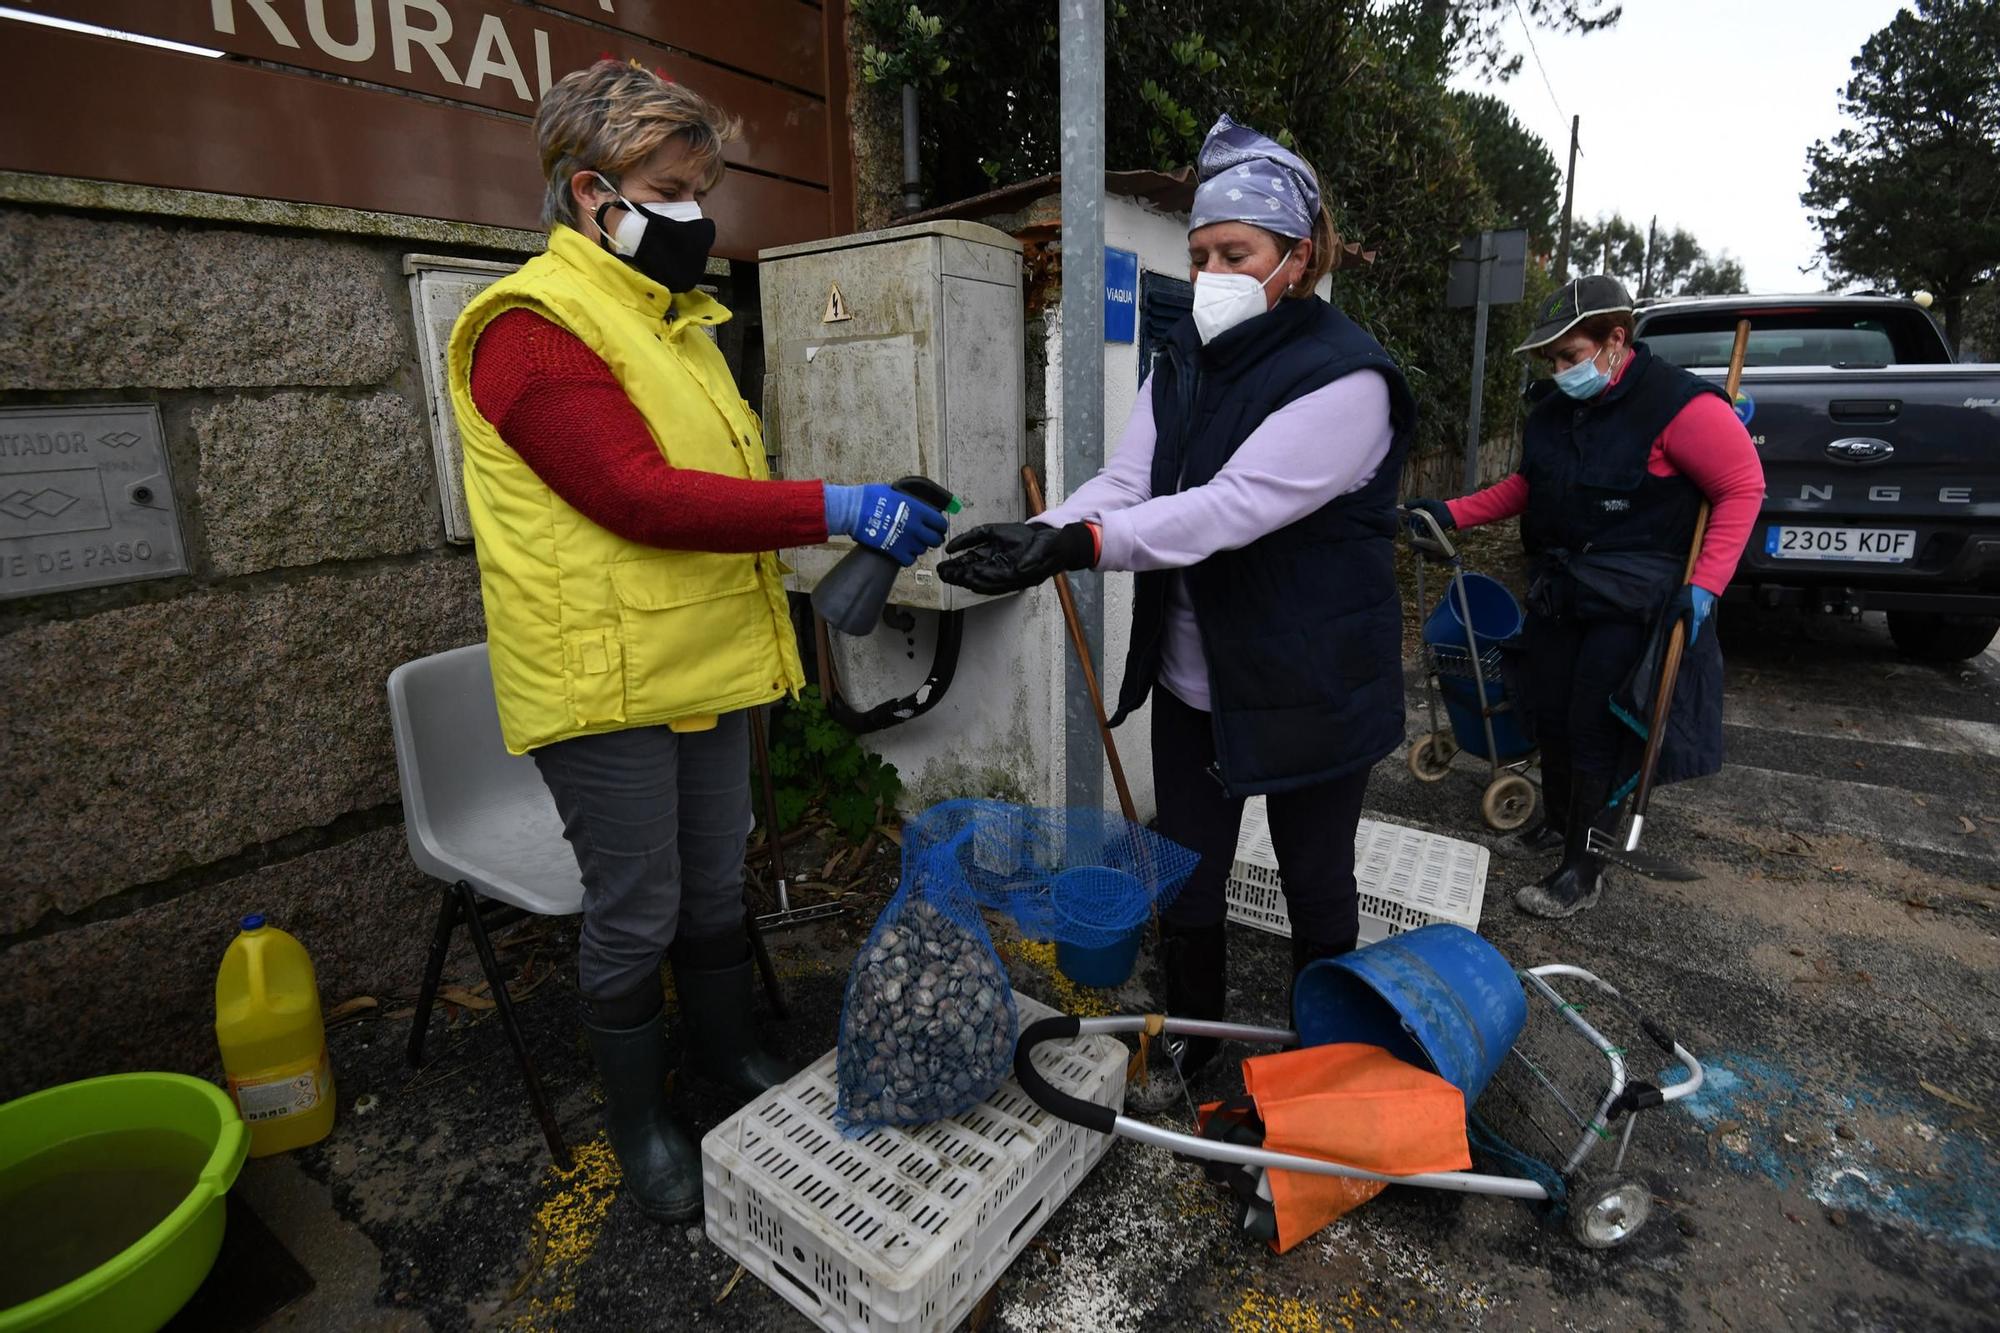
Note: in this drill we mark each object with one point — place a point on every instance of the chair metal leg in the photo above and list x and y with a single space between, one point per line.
469 907
772 991
447 921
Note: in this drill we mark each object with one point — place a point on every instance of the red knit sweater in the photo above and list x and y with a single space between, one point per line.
1704 443
557 405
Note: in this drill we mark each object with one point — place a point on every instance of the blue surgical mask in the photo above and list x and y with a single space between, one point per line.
1583 381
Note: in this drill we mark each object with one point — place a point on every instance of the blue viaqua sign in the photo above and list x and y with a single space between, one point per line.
1121 296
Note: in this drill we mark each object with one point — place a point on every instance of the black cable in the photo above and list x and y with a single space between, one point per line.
944 666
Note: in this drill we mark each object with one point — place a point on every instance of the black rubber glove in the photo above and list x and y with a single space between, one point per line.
1437 509
997 558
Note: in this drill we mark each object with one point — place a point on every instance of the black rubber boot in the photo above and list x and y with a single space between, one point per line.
661 1164
1546 836
1305 951
1579 881
714 979
1194 961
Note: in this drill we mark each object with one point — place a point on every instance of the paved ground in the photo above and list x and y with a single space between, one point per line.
1838 969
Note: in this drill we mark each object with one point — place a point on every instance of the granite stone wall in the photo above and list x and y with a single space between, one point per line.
186 750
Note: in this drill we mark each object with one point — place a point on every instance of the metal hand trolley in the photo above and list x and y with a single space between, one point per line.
1552 1110
1509 798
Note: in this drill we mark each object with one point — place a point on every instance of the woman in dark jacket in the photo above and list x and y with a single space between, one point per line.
1620 451
1254 492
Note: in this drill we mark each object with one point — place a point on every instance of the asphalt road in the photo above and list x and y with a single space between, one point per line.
1837 970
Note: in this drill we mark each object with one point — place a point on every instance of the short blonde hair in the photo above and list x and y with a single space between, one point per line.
613 116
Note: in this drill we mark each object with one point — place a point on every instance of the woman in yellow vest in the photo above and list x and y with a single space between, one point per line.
626 527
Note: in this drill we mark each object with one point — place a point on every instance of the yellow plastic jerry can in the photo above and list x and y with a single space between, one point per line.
267 1022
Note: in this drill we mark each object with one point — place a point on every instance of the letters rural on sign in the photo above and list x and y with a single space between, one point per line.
419 107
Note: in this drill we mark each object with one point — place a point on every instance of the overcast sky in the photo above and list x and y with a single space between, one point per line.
1701 111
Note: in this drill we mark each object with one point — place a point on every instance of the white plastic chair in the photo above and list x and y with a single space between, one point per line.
482 821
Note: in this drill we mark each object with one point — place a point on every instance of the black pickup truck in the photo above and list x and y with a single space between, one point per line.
1881 460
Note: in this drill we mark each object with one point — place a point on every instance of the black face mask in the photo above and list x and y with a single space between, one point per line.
671 253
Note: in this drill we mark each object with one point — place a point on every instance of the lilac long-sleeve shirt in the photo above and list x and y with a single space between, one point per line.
1319 446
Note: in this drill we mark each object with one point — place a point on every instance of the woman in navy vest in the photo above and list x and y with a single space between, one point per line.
1619 452
1254 493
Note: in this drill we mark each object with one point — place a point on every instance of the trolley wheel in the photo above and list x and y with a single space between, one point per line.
1605 1214
1509 800
1430 757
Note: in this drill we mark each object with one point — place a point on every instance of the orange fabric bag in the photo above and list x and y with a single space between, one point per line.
1353 1104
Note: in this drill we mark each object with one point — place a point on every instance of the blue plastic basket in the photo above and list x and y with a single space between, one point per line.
1496 622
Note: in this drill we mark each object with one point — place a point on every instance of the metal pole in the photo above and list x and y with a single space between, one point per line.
913 196
1486 257
1082 50
1569 196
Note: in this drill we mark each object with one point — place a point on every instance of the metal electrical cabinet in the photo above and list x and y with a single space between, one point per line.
895 352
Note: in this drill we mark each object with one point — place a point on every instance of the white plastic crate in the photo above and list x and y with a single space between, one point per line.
900 1231
1407 878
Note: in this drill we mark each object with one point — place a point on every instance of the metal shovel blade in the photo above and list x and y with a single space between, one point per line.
1604 845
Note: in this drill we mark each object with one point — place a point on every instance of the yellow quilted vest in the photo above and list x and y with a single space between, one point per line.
589 632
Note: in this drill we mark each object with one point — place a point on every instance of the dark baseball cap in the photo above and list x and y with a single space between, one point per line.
1592 294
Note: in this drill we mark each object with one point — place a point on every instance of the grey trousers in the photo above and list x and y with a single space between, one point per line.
658 822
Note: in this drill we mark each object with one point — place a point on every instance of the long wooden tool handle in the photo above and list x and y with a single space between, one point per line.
1670 668
1082 647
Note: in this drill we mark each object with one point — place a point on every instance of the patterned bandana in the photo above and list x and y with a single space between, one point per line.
1247 177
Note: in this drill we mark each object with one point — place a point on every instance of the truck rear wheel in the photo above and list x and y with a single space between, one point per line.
1931 637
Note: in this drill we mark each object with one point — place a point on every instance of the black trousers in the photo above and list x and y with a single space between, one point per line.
1312 831
1572 668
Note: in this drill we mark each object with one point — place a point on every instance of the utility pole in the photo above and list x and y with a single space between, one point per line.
1646 269
1081 43
1569 196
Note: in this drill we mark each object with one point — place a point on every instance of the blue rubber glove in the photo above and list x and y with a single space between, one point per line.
1693 604
884 519
1704 602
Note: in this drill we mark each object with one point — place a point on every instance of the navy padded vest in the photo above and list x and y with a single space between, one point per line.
1302 628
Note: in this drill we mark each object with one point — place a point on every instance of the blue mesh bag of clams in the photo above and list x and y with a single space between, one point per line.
928 1025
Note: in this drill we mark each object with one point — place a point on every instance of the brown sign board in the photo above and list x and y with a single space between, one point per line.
780 40
427 110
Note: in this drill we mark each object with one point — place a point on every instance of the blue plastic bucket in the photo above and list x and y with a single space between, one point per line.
1495 614
1101 918
1439 997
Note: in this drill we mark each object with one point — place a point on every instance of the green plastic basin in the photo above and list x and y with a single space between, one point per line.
93 1130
